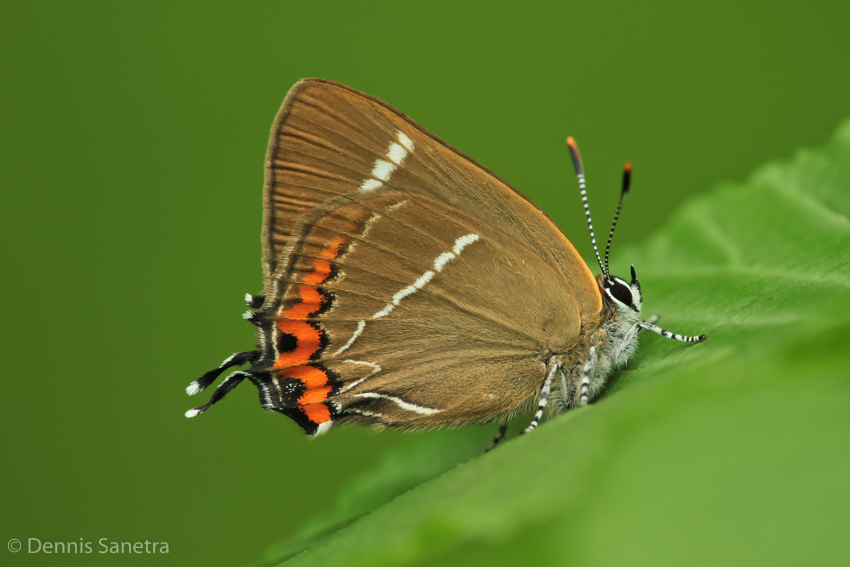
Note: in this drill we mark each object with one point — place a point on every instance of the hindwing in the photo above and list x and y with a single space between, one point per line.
406 312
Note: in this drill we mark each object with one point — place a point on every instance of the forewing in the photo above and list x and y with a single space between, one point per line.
329 141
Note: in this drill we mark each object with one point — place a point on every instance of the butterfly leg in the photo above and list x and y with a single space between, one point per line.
237 359
544 398
584 388
500 436
653 319
223 389
668 335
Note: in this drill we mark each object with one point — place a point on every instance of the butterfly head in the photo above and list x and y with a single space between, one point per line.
625 296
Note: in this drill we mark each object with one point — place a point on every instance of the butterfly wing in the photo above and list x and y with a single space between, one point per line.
416 315
329 140
406 285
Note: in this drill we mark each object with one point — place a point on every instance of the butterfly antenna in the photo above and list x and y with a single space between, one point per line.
627 182
571 143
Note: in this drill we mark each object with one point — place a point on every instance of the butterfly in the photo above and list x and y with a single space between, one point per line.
407 286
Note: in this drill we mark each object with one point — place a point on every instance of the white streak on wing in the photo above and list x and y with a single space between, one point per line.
383 170
375 217
364 412
360 326
375 370
385 311
463 242
401 403
405 141
409 290
369 223
439 263
398 205
370 184
442 260
416 286
396 153
375 367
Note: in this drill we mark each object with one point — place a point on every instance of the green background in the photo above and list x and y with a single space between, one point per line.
131 163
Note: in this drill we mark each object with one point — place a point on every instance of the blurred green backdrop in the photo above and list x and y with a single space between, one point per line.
132 148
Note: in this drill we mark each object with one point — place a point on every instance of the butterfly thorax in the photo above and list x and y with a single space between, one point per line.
614 341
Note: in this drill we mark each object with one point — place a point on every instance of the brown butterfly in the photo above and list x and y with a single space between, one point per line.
407 286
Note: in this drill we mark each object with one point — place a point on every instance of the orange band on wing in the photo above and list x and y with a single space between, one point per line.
310 376
317 413
321 271
315 395
315 382
311 301
332 251
322 266
308 341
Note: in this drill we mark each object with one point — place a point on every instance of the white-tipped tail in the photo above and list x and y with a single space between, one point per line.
193 412
193 388
324 428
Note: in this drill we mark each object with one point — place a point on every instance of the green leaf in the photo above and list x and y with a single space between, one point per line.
732 451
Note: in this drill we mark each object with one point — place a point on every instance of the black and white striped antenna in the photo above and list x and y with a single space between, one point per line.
571 143
627 181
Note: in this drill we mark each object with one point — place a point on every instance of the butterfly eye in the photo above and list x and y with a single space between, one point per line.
621 293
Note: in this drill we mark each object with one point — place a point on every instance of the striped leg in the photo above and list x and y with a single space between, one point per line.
653 319
584 389
668 335
500 436
544 399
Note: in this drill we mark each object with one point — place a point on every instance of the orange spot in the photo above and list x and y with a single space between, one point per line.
317 413
321 271
308 340
315 382
315 395
332 251
322 266
310 376
311 301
